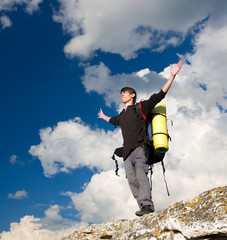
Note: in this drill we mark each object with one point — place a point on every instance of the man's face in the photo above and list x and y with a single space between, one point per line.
126 97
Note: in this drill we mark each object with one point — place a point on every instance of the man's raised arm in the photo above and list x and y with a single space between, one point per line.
103 116
174 72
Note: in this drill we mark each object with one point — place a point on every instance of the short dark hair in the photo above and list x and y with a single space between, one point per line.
131 91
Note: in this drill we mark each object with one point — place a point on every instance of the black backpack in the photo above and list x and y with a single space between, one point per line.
154 156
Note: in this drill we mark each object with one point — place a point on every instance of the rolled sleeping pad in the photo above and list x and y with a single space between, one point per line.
159 128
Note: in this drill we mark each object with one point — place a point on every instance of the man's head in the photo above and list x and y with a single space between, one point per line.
128 94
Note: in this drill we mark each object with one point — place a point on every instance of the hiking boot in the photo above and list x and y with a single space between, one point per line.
144 210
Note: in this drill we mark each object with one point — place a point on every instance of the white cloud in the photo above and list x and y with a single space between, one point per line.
13 159
53 221
28 228
11 5
208 66
99 79
52 213
5 21
124 27
51 227
18 195
72 144
105 197
142 73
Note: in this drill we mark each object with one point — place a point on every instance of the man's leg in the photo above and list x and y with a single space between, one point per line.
139 160
136 172
131 177
141 170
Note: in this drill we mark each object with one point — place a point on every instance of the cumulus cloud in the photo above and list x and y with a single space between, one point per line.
51 227
73 144
144 24
105 197
98 78
28 228
11 5
53 221
207 66
5 21
18 195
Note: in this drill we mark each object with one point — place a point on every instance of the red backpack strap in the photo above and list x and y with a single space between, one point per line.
144 117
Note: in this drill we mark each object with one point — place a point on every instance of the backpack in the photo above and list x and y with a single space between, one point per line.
148 144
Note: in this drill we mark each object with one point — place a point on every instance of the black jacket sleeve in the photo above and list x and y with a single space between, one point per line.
114 121
149 104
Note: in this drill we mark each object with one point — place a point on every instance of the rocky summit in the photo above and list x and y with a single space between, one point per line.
202 218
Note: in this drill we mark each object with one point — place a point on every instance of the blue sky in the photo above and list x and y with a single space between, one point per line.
60 62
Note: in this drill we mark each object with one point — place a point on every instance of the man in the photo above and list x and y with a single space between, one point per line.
135 157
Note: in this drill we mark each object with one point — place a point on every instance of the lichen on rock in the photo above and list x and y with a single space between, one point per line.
203 217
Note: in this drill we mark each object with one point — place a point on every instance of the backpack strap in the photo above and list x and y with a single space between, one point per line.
144 117
118 152
116 163
163 169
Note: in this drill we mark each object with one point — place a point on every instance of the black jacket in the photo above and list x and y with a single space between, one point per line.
132 126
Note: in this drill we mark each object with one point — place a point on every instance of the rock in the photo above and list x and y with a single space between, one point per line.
204 217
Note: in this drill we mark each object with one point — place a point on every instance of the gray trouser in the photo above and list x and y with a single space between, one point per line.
136 172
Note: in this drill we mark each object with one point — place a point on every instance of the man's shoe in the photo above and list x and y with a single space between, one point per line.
144 210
